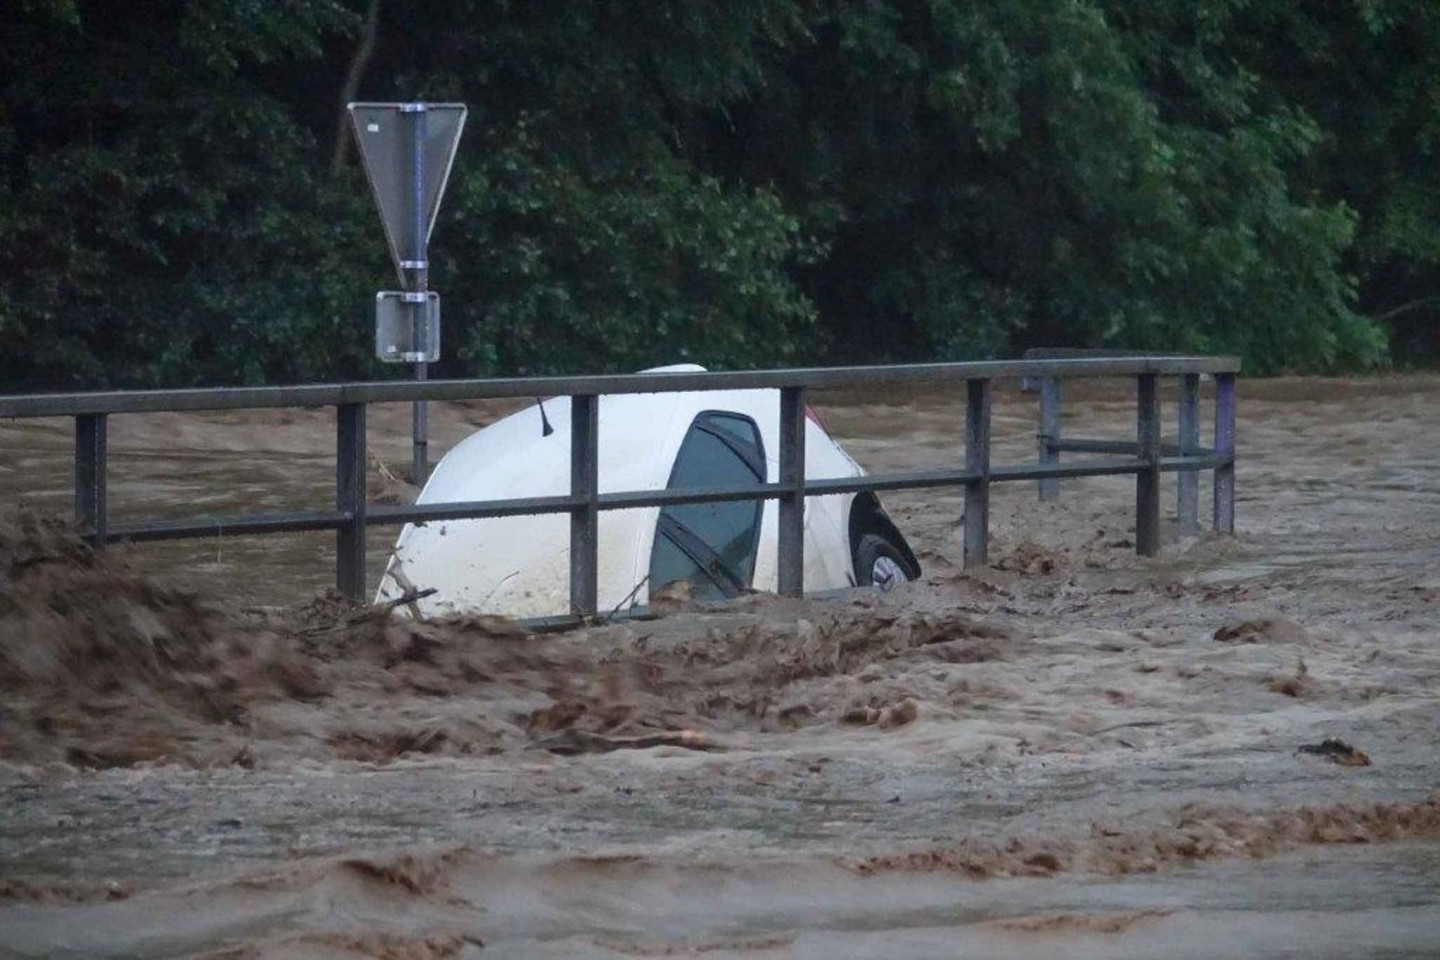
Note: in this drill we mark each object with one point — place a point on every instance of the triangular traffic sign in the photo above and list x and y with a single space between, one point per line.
393 138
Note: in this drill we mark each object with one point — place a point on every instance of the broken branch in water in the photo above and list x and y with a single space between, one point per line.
405 599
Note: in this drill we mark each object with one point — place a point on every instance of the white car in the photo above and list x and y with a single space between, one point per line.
519 566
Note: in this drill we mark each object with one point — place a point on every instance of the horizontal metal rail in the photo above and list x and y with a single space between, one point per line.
237 525
1118 446
1145 457
228 526
473 510
405 391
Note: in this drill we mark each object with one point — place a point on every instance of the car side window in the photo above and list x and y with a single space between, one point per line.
712 545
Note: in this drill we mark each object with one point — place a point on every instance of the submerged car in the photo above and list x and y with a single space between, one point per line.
519 566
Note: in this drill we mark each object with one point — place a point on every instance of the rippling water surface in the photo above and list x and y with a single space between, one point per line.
1073 695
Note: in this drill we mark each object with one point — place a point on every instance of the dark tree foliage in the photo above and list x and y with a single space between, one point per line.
163 219
1050 172
1367 72
581 233
747 183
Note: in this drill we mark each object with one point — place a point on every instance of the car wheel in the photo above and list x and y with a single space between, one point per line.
878 563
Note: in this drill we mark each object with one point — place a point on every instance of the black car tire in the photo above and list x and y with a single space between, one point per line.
879 563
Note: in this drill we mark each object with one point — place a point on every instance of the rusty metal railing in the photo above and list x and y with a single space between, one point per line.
1146 458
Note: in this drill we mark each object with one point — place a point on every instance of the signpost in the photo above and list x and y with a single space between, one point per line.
408 150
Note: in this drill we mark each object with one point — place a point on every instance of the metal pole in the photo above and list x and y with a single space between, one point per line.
419 271
792 504
91 449
419 433
977 461
1147 481
584 519
350 500
1187 482
1050 399
1225 447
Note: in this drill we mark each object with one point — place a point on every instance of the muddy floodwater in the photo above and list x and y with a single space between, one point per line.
1229 750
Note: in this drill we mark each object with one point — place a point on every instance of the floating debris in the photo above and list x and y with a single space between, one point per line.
1337 751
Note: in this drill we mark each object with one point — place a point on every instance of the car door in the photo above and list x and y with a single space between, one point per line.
711 545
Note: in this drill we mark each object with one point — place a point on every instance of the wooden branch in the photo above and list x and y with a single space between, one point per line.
1406 308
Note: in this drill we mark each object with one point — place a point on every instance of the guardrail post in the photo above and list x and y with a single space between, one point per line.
977 461
1225 447
91 456
1050 400
1187 482
791 581
584 519
350 500
1147 481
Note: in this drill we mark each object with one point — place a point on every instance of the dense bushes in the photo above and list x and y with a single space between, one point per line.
745 183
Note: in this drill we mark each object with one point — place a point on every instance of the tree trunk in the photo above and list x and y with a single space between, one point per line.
351 87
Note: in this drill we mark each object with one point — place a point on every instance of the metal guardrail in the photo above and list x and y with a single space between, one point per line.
1146 457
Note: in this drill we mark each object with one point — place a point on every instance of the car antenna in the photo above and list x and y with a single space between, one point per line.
545 428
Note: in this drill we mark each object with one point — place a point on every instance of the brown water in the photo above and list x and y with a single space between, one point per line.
1056 757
